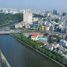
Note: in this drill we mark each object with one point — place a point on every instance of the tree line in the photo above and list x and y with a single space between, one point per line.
10 18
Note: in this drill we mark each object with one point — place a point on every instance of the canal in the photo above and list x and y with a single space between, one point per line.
20 56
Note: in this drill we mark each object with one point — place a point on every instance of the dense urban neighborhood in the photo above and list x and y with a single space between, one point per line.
44 31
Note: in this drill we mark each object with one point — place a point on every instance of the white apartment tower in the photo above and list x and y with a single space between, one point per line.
27 17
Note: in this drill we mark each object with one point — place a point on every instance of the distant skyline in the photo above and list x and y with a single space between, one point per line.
35 4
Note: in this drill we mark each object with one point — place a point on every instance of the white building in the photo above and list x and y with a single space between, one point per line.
19 25
27 17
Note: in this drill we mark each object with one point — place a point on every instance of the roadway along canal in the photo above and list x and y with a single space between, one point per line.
20 56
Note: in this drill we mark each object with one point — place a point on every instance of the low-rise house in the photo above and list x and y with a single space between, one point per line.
35 25
65 55
47 25
35 35
63 49
63 45
39 37
63 42
19 25
50 47
55 45
27 26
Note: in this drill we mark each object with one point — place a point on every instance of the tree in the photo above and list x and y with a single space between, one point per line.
56 20
64 14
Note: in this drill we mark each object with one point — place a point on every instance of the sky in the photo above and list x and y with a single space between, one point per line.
35 4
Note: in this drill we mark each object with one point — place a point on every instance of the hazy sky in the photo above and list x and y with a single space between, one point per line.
34 4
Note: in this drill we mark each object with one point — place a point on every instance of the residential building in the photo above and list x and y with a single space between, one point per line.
27 16
35 35
19 25
63 42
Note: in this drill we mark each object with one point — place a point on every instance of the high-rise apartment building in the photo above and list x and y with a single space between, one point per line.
27 17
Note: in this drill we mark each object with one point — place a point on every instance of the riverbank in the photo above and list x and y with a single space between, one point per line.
4 62
38 51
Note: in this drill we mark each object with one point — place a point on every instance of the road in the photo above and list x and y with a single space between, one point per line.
57 33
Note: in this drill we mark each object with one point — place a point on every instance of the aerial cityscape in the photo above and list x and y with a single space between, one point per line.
33 34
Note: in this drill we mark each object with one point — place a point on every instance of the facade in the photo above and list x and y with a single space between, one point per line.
27 17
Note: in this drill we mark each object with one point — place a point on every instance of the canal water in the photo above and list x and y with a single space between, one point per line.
20 56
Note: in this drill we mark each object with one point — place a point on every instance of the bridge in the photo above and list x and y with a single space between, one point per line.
2 31
9 31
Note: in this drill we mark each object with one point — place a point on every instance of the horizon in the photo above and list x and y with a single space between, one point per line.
35 4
